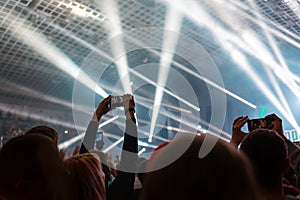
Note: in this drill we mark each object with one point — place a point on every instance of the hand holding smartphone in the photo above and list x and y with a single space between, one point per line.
265 123
116 101
119 101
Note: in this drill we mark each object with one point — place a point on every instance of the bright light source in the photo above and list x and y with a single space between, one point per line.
114 28
36 116
284 74
81 10
141 143
140 98
199 127
68 143
33 93
207 81
66 132
264 88
165 90
173 21
24 33
113 145
141 151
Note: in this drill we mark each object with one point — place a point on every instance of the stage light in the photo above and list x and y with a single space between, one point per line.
243 63
114 28
283 100
172 22
108 57
113 145
284 69
169 128
216 29
81 10
243 10
148 80
141 98
69 142
207 81
33 93
24 33
38 117
262 112
141 151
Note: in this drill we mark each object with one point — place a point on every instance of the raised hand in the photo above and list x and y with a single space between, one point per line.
129 106
103 107
276 124
128 101
237 133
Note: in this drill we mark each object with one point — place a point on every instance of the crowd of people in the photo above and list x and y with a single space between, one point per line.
258 165
12 125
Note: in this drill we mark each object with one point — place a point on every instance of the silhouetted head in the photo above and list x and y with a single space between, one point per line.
45 130
268 153
87 177
222 174
30 168
105 168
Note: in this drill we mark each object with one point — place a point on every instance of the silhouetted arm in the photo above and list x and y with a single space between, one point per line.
92 129
123 184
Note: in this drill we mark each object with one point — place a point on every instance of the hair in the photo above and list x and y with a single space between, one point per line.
268 153
30 167
222 174
87 178
105 168
46 131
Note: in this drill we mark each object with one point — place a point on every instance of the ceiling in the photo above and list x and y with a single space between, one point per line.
38 36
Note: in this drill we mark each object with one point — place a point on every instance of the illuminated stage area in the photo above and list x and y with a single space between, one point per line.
189 64
149 99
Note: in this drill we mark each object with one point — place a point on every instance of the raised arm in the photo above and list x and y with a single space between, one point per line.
91 131
123 185
237 133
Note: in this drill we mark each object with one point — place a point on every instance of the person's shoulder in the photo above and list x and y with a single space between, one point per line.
289 197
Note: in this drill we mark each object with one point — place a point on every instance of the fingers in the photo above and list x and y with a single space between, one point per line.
107 99
127 97
103 107
273 117
238 118
76 150
276 123
237 133
128 101
240 121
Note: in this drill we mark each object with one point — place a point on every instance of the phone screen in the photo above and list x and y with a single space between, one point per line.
257 123
99 136
116 101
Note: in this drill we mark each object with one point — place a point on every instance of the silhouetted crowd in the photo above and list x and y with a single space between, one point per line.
12 125
258 165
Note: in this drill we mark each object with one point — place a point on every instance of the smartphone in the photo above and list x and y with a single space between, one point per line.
99 137
259 123
116 101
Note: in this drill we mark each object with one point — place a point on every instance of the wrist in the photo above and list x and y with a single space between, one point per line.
129 110
130 113
99 115
234 142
